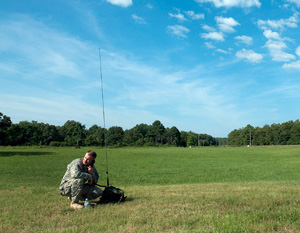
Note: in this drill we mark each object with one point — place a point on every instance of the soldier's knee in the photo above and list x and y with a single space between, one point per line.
99 191
96 192
78 183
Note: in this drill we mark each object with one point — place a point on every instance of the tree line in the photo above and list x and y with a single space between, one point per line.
287 133
73 133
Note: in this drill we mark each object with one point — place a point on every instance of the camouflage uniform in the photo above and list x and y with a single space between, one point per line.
74 183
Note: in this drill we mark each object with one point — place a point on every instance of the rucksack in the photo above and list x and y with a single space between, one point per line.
112 194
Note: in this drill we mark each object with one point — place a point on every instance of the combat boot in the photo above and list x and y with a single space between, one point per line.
75 205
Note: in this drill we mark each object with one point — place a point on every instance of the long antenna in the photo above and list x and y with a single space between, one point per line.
103 118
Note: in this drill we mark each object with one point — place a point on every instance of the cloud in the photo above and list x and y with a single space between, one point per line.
159 89
297 2
226 24
298 51
222 51
53 110
291 22
52 55
232 3
275 43
293 65
178 30
149 6
276 51
209 45
122 3
44 91
192 15
249 55
178 16
69 94
244 39
208 28
271 35
213 36
138 19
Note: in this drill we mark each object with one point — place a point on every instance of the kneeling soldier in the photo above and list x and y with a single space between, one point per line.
74 185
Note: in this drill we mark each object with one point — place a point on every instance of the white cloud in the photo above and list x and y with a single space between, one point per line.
192 15
52 52
138 19
160 88
276 45
213 36
276 51
222 51
178 30
149 6
272 35
55 98
226 24
232 3
291 22
178 16
54 110
228 21
293 65
122 3
244 39
249 55
297 2
298 51
209 45
208 28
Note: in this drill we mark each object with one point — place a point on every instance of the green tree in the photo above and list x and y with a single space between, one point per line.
115 136
73 133
184 138
206 140
295 134
24 133
234 138
129 138
15 135
173 136
222 141
240 137
192 139
285 132
5 123
157 130
95 136
137 136
49 133
275 129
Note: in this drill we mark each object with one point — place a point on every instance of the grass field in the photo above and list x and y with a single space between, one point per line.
213 189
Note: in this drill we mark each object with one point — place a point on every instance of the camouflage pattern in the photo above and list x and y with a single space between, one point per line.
74 183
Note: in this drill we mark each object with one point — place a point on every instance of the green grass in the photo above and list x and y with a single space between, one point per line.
216 189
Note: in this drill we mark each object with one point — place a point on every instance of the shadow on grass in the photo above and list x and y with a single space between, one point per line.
128 199
22 153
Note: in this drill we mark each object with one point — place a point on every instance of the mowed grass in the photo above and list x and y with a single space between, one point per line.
216 189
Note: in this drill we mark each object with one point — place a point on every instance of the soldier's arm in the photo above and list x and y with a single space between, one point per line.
77 173
95 175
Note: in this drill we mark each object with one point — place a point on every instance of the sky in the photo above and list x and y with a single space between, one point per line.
206 66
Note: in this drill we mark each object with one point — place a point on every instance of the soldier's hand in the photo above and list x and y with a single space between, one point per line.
91 181
90 170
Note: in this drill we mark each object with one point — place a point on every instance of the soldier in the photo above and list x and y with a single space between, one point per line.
74 185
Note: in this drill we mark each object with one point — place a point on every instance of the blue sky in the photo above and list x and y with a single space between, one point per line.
207 66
